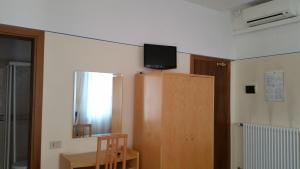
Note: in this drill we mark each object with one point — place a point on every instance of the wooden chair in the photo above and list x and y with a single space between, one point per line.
79 130
115 150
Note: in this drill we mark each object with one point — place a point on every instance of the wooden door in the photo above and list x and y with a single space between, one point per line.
220 68
187 122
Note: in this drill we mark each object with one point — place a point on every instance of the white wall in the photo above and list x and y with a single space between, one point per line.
253 107
272 41
194 29
66 54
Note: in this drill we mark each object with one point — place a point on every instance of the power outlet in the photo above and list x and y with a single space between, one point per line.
55 144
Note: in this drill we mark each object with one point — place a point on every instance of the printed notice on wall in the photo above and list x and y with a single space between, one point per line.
274 86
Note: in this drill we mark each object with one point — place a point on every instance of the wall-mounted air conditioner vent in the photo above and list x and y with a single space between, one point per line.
269 12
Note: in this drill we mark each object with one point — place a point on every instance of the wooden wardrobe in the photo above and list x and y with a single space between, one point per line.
173 120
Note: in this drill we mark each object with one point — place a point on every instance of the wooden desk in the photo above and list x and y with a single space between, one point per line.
88 160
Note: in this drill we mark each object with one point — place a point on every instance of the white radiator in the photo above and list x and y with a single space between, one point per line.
267 147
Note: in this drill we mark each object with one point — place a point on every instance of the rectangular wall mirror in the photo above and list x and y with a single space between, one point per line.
97 104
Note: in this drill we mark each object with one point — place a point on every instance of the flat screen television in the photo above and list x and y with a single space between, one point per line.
160 57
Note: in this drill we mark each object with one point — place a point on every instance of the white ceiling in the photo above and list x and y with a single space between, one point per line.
221 5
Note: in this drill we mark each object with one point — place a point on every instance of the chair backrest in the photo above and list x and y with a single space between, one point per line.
116 150
79 130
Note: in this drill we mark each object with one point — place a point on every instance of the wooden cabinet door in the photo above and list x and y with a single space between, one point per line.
200 115
187 122
147 120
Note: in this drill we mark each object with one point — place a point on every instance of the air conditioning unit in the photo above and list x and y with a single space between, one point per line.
270 11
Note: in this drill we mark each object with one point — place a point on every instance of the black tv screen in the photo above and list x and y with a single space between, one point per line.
160 57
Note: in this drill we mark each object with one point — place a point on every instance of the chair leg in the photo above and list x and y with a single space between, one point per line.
124 153
107 158
111 155
98 153
116 152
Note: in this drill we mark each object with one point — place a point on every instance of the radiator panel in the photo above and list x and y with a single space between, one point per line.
267 147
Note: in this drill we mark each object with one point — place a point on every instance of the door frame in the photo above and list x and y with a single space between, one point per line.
37 37
227 92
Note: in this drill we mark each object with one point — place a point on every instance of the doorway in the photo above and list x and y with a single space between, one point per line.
21 82
220 69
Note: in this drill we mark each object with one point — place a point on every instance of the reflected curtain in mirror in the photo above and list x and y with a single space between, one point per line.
97 108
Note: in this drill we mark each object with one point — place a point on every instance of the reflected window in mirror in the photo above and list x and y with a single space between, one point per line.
97 104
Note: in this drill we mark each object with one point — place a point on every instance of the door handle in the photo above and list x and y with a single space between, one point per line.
221 64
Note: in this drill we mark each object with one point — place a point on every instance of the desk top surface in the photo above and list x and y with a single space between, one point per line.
89 159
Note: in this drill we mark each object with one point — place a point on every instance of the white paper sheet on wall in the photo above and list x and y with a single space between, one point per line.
274 86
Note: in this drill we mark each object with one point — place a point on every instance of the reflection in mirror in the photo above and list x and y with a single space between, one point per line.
97 104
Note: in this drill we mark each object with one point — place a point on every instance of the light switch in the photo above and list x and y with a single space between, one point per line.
55 144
